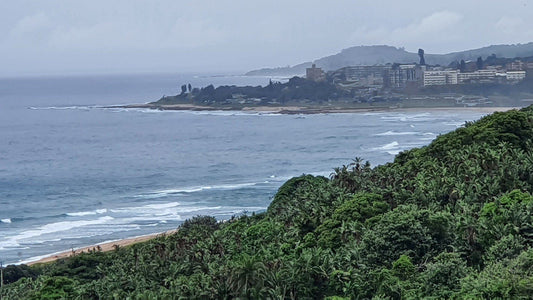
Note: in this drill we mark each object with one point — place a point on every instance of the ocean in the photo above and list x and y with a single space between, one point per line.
73 173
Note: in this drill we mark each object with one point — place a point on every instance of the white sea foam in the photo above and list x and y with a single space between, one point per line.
145 209
14 241
87 213
275 178
154 218
456 124
158 211
218 112
321 173
152 111
407 118
134 110
373 113
225 113
5 221
163 212
61 107
394 147
394 133
161 205
187 190
81 213
125 223
394 152
195 112
389 146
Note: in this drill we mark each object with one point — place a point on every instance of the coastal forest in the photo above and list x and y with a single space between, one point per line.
451 220
296 89
301 91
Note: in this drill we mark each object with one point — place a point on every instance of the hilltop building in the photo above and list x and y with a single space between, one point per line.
315 74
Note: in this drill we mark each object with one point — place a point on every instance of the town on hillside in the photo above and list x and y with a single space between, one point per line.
492 81
375 82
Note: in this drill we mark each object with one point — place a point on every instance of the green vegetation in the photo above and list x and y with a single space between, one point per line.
296 89
449 220
326 94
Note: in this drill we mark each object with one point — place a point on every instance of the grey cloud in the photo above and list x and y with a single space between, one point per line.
59 36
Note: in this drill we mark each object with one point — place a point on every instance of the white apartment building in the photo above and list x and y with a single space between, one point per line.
444 77
480 76
440 77
515 75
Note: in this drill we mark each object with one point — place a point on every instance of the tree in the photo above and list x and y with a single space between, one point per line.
190 87
462 66
443 274
183 89
418 233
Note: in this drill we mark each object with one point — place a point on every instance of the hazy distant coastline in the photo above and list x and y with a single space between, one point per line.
383 54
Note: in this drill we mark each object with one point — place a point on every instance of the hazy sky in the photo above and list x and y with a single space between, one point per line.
120 36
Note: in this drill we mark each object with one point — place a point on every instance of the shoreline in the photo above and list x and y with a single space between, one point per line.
296 110
110 245
100 247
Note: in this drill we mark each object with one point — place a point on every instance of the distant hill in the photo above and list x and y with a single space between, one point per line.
282 71
382 54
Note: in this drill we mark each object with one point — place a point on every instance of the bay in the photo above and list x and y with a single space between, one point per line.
73 173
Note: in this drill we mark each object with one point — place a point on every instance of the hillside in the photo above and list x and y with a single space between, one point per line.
449 220
371 55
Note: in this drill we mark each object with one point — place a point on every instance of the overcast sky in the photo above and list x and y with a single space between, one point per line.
113 36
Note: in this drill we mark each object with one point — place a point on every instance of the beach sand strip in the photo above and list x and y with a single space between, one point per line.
103 247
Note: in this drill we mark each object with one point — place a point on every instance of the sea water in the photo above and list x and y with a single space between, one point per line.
73 173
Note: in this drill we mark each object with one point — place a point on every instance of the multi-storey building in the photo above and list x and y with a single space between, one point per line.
515 75
480 76
516 65
401 75
440 77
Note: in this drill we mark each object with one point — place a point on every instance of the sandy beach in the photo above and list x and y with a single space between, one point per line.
104 247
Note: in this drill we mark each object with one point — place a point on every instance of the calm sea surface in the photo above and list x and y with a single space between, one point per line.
74 174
